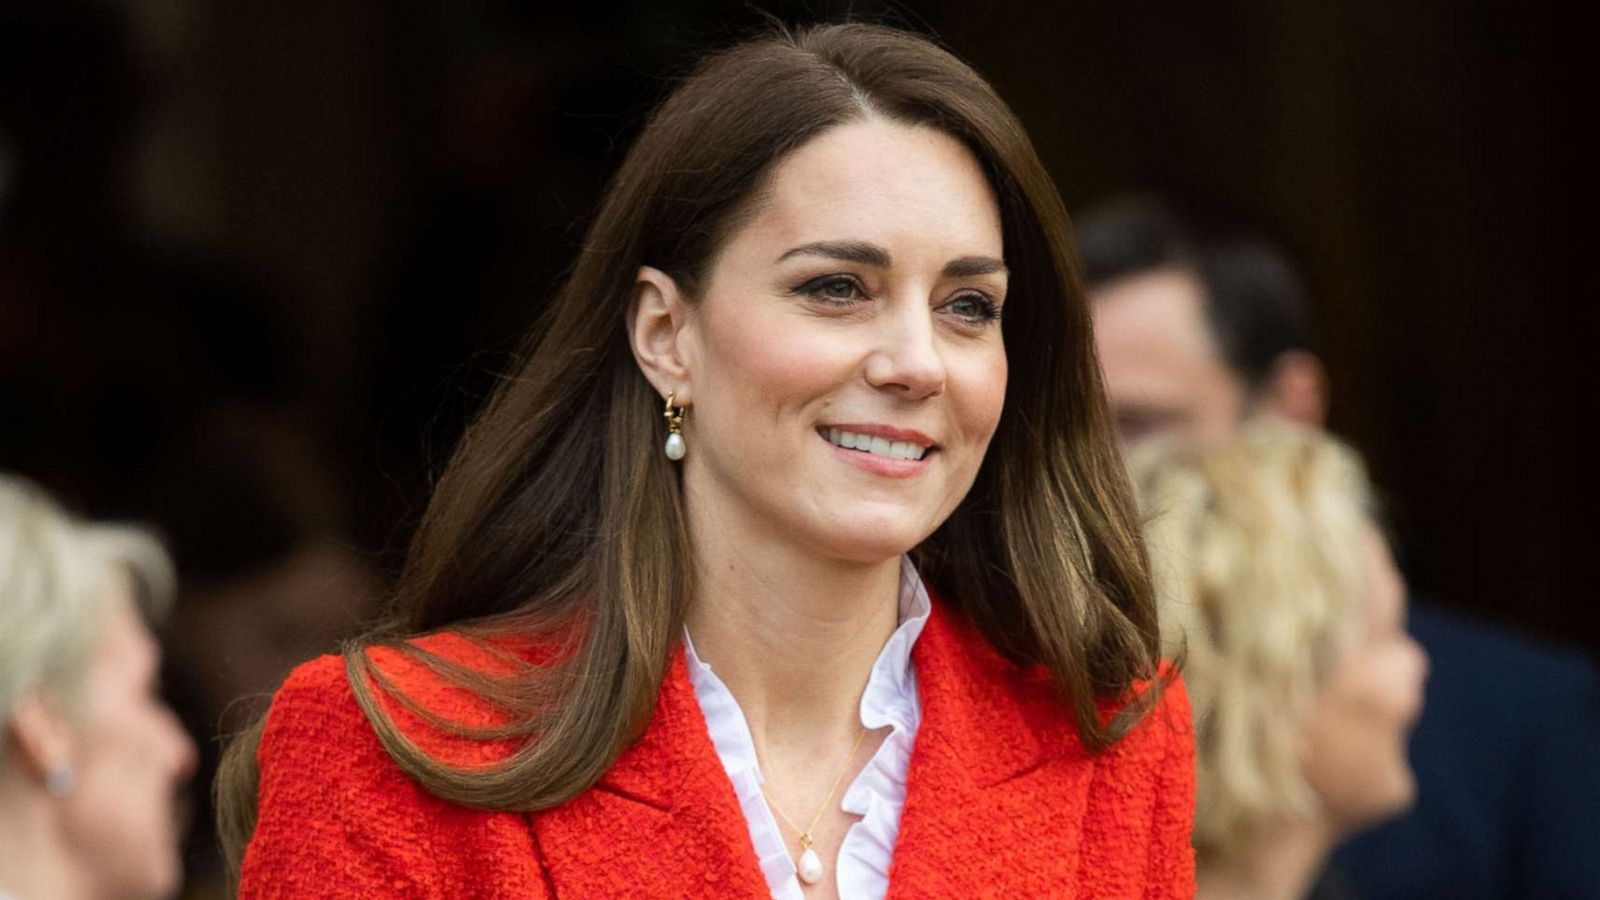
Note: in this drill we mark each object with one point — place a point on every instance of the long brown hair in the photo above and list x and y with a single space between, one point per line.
559 515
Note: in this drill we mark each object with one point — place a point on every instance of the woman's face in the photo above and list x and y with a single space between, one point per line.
131 759
1357 760
845 364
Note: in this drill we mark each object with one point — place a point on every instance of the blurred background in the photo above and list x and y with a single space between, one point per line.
259 262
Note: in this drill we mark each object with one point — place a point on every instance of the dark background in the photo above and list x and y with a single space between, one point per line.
260 260
378 195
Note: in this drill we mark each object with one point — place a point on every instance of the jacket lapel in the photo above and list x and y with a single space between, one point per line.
995 772
663 822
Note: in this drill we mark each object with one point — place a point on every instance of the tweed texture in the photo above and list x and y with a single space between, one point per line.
1002 800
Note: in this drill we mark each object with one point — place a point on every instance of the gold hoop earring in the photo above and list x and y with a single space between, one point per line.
674 415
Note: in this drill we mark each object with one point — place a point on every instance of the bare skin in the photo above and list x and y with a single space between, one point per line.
115 833
797 540
1165 372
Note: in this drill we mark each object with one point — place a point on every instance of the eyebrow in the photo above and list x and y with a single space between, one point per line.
869 254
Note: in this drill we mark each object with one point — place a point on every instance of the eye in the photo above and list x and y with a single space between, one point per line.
974 307
837 289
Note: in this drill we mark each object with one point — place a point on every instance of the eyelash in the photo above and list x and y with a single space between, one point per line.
989 311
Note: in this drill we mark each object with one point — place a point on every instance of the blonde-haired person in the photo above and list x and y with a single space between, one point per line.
90 757
1272 573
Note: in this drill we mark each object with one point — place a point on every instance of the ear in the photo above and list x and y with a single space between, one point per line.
1297 389
40 733
661 332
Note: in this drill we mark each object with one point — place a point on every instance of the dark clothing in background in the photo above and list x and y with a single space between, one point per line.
1507 758
1332 884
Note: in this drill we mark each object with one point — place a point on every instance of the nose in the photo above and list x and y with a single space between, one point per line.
907 358
1424 664
184 757
1418 676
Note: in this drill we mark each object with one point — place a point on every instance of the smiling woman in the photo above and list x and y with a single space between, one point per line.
870 615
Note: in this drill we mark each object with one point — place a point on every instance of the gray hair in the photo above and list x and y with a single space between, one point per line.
54 573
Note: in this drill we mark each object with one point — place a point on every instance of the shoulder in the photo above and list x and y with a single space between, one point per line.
338 815
1157 753
409 685
1169 724
996 694
1139 813
1498 679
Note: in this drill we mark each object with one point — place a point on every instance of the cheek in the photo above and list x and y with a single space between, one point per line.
754 365
1358 758
977 388
123 812
1371 707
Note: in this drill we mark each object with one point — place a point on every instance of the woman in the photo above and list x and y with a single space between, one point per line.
1272 573
91 759
676 591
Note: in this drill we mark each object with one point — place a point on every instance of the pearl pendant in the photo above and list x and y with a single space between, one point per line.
675 447
810 866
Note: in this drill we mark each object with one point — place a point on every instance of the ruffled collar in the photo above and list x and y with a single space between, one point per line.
877 794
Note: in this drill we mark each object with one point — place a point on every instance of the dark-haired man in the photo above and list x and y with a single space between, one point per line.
1201 328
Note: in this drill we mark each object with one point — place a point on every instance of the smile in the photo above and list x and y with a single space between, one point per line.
873 444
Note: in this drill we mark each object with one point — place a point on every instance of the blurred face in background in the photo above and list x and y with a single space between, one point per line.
130 760
1356 737
1163 369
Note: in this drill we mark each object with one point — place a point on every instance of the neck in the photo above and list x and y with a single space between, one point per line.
33 861
793 636
1279 867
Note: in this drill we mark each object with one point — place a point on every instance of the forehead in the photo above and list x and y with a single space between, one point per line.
1154 316
885 182
1385 588
125 642
1151 333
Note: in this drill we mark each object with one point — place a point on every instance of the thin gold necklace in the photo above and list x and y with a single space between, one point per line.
810 864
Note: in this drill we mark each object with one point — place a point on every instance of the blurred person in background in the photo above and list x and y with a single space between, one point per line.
1200 328
1272 575
91 760
254 520
145 377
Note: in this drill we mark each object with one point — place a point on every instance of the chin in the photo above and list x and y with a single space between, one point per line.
1404 795
868 548
866 532
1388 799
867 541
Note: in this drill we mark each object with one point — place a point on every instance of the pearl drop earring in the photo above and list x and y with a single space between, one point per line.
674 415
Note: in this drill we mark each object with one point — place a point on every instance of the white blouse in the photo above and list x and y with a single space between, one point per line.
877 793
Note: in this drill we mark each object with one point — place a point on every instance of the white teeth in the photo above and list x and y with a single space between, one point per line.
875 445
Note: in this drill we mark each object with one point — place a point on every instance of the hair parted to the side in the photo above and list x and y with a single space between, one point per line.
1256 551
558 515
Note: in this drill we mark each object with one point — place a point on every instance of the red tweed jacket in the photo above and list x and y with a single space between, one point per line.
1001 798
